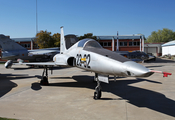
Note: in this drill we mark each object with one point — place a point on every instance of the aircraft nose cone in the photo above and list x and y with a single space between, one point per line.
136 70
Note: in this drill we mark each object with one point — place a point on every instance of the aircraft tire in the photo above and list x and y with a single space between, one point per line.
44 81
97 94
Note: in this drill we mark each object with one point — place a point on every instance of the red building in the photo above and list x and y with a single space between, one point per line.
125 43
28 43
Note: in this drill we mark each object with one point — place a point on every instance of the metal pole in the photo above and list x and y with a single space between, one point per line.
31 44
140 43
112 43
143 43
36 19
117 40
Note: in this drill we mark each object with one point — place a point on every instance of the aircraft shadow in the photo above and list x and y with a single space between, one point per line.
20 68
6 85
137 96
59 68
82 81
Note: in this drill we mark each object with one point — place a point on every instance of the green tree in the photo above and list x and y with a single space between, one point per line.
88 35
56 38
44 39
164 35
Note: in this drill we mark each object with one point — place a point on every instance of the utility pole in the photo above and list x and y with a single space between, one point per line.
36 19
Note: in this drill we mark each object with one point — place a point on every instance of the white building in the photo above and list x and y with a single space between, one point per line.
154 48
168 48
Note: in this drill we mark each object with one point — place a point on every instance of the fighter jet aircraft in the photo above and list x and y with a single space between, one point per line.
12 51
88 54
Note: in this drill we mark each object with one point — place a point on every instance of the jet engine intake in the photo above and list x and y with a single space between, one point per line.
71 61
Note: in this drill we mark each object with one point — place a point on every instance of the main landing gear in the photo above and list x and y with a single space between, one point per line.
97 93
44 79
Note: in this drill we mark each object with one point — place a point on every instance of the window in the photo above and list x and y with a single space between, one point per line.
134 43
121 43
106 44
125 43
109 43
130 43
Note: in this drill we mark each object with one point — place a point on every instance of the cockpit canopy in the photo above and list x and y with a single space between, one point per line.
89 43
93 46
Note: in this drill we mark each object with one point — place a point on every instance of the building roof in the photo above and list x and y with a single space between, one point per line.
124 37
153 44
23 39
120 37
169 43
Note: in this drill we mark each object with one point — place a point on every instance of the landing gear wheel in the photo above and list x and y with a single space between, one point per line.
97 93
44 81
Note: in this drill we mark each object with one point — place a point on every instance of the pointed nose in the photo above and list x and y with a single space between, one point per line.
136 70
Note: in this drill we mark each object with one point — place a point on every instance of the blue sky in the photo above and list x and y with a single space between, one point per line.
100 17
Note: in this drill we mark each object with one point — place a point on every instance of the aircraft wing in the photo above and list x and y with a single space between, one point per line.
48 52
36 63
42 64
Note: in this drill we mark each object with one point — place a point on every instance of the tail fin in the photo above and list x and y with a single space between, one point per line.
8 44
62 44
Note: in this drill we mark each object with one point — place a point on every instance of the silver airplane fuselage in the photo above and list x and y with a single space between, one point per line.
87 54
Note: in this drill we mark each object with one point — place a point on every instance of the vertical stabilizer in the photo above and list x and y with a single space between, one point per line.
8 44
62 45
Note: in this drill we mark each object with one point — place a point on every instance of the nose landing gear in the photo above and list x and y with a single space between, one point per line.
97 93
